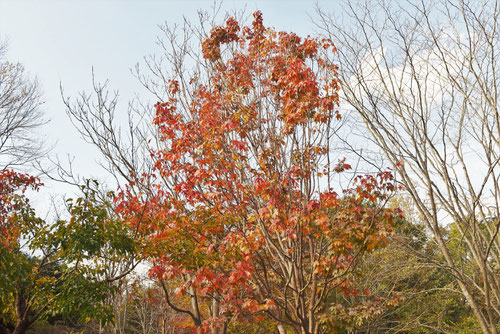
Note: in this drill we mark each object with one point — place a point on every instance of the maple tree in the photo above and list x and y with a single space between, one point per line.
13 203
241 205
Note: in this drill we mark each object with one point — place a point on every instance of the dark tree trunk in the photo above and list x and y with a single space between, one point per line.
21 327
23 322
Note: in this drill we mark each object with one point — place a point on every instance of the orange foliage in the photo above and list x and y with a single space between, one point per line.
13 203
247 206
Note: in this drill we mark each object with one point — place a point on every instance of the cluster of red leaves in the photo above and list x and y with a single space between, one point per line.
238 168
13 203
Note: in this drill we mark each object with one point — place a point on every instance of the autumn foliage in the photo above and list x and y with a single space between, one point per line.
241 209
13 204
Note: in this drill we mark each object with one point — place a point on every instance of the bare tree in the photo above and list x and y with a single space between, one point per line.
20 115
125 142
424 82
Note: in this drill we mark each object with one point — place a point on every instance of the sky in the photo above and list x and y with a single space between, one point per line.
60 41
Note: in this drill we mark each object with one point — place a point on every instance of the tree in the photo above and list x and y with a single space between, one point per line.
55 269
241 205
429 300
424 81
20 115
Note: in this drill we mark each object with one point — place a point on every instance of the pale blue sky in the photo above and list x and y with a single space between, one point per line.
60 41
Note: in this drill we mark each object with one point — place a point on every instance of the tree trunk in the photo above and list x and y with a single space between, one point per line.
281 328
215 313
21 327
